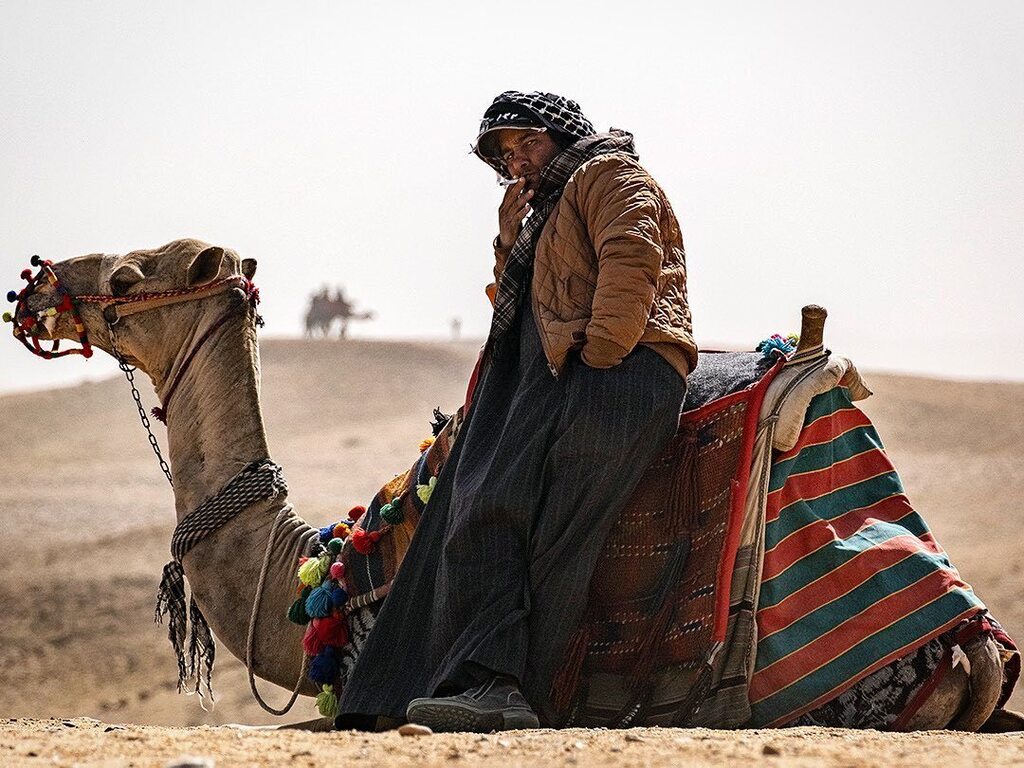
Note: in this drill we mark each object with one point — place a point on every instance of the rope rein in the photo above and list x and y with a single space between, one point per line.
285 511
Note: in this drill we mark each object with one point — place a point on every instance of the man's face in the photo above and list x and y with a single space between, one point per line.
526 153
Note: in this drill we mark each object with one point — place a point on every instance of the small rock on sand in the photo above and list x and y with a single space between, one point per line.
411 729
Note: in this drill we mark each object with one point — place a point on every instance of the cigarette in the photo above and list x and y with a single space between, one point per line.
503 182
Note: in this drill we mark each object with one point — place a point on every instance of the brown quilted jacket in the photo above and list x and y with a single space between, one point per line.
610 270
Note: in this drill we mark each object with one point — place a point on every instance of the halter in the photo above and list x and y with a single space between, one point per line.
23 328
126 305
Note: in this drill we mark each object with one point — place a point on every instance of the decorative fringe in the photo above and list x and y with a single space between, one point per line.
567 680
650 646
191 626
683 502
440 420
324 668
424 491
319 602
327 702
159 414
313 571
297 612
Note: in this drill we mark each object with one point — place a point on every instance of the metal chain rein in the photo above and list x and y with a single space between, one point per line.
129 373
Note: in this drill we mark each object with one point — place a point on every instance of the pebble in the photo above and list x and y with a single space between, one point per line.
412 729
190 761
771 749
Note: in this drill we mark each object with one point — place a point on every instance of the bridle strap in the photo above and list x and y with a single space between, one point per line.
143 302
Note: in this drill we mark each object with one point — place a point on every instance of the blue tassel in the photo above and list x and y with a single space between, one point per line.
319 603
339 597
326 534
324 667
773 342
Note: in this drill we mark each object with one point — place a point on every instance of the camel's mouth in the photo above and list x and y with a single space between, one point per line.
44 310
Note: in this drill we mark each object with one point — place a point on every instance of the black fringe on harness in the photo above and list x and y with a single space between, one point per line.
189 632
440 420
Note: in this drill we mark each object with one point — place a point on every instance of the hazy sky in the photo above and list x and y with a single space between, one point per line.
866 156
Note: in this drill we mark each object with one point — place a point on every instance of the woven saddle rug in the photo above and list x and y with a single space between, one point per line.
853 578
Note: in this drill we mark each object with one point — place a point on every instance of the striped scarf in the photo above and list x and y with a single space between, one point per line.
516 276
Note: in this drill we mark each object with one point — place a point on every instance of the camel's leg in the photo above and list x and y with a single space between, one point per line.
964 700
1004 721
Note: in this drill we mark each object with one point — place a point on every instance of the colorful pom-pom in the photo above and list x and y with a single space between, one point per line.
775 341
424 491
356 512
327 702
334 545
26 274
324 667
337 570
426 443
326 534
392 513
319 603
332 630
342 530
12 296
313 571
363 542
8 317
297 612
312 643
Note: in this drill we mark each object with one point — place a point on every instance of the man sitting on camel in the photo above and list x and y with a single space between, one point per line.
581 384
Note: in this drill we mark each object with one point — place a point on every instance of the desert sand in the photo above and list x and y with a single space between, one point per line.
86 523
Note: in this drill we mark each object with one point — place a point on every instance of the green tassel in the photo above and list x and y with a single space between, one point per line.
297 612
392 513
424 491
314 571
327 702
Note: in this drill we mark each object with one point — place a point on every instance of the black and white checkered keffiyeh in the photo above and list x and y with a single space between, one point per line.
258 481
516 275
515 109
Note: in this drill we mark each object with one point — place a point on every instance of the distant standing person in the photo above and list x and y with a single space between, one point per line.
581 385
456 327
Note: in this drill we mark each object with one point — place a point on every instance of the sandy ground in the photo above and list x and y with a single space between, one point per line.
86 519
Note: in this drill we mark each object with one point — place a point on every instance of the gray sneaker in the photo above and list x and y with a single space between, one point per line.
496 705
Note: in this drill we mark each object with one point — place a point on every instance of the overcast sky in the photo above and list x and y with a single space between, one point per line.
866 156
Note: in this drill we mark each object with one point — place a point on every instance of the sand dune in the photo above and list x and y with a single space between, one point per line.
87 519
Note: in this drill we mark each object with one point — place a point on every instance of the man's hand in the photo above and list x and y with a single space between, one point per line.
512 211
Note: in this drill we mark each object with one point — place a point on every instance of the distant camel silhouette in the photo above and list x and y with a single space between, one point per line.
324 309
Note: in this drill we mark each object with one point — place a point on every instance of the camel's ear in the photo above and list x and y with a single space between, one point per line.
205 266
249 268
124 278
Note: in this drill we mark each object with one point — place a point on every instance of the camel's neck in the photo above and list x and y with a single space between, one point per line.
215 429
214 424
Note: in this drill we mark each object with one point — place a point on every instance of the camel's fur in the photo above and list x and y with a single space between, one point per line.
215 429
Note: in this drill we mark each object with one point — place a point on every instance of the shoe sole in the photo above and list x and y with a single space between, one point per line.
450 718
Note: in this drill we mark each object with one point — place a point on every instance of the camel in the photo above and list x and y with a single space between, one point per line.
325 309
196 340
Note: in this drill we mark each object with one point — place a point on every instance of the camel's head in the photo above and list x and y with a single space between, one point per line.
153 299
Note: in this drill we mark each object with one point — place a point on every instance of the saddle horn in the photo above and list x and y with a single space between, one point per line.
812 327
